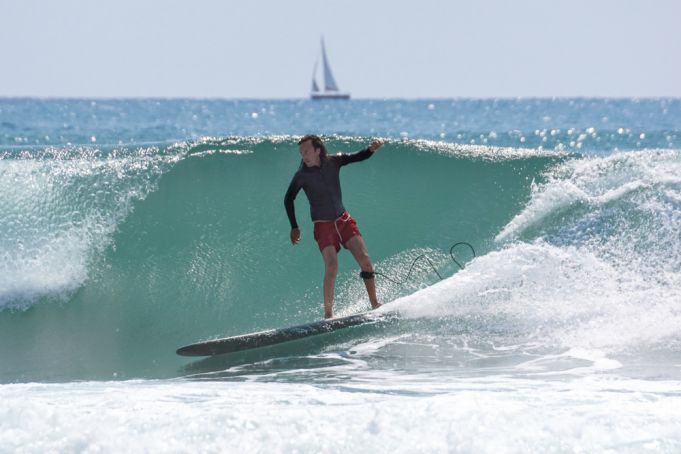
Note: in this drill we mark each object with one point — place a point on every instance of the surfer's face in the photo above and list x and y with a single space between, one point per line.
309 153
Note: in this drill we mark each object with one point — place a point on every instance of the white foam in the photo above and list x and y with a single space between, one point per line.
560 296
410 414
598 358
613 278
598 362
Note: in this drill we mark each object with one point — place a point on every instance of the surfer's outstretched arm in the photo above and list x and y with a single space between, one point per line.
349 158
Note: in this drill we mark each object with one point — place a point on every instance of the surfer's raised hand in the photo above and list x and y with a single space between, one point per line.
295 236
375 145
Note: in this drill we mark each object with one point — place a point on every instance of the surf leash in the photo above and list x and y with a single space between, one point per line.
430 262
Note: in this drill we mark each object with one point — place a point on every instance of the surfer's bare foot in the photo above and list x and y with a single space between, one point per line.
376 306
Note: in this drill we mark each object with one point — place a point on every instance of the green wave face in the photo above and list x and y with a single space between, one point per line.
114 258
156 248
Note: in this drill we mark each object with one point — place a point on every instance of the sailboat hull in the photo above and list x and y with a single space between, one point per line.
319 96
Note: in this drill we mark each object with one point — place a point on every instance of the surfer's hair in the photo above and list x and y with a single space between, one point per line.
317 144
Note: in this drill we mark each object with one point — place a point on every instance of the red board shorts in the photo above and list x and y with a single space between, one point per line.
335 233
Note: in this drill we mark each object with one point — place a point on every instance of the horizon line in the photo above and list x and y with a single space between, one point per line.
340 101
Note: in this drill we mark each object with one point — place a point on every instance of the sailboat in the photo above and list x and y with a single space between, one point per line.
331 90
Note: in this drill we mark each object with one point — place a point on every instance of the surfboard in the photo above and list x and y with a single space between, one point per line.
276 336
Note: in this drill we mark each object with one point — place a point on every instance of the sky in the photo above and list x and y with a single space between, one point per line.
377 49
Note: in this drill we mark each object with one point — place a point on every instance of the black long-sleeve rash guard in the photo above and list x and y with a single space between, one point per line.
322 187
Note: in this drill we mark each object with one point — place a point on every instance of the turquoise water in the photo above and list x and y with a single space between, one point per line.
132 227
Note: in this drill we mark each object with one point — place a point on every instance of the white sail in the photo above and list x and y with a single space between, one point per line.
329 81
330 90
315 87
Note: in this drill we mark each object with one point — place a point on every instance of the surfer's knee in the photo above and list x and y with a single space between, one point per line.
330 259
331 266
364 261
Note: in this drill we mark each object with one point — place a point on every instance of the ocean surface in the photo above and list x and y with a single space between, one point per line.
129 228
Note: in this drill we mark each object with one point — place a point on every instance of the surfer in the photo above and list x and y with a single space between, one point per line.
318 176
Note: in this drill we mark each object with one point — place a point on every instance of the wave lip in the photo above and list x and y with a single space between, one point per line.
61 209
594 183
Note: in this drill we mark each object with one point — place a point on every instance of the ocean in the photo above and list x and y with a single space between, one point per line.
131 227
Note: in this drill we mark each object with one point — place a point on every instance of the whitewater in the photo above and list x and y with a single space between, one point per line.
132 227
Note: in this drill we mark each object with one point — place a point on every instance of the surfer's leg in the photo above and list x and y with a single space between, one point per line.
330 270
359 251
